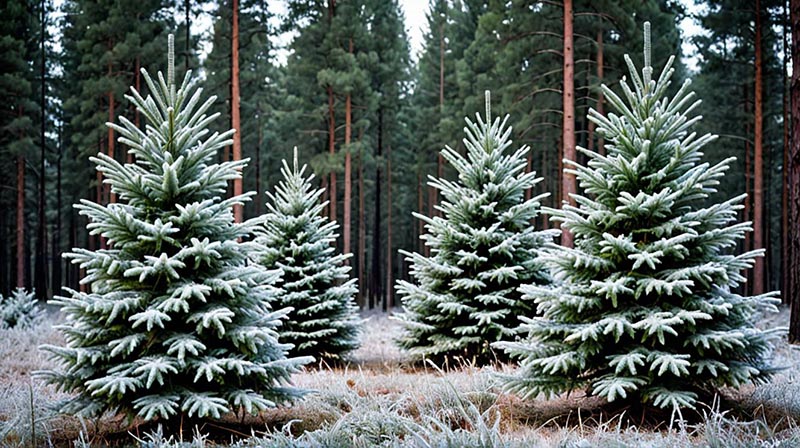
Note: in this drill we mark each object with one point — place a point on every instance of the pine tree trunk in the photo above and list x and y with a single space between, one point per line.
747 211
568 140
20 230
57 274
236 122
259 188
420 210
600 98
388 303
758 161
362 229
332 152
439 158
112 198
376 278
785 171
187 10
137 83
331 128
528 169
347 168
41 239
793 265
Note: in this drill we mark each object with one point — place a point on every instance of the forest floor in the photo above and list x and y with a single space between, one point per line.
380 399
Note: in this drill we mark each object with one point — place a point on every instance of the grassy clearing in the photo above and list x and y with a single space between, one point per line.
379 399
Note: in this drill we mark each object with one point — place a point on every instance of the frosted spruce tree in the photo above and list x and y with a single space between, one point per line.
178 322
465 295
646 311
299 240
20 310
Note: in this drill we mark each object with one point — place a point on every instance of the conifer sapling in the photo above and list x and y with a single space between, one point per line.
646 310
297 239
178 322
465 295
20 310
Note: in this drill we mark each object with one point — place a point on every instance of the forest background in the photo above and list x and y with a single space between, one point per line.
339 80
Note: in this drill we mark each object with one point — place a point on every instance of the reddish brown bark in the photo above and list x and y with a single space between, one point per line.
332 151
389 254
348 192
793 265
568 137
362 229
785 171
747 211
20 230
758 161
235 119
111 196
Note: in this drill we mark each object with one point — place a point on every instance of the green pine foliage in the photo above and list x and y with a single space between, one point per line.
299 240
178 322
19 310
465 294
646 311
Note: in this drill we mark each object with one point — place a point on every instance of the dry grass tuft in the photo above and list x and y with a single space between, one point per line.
378 398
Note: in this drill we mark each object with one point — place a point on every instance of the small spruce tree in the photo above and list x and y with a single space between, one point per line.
465 295
297 239
645 311
178 322
20 310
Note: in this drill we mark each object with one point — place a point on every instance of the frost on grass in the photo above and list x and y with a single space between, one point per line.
380 400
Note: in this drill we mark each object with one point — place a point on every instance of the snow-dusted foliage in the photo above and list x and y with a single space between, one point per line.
464 296
19 310
299 240
645 311
178 322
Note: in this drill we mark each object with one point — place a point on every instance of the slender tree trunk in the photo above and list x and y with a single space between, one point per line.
187 10
548 180
600 98
57 275
758 159
528 169
332 151
793 267
388 303
785 171
376 278
420 209
112 198
259 188
362 229
41 239
238 213
5 256
20 230
568 140
348 185
439 158
331 127
137 82
748 188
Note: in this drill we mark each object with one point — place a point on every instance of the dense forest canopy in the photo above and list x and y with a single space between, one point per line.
337 79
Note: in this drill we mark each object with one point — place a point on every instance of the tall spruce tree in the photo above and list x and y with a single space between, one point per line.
299 240
646 311
178 323
483 247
